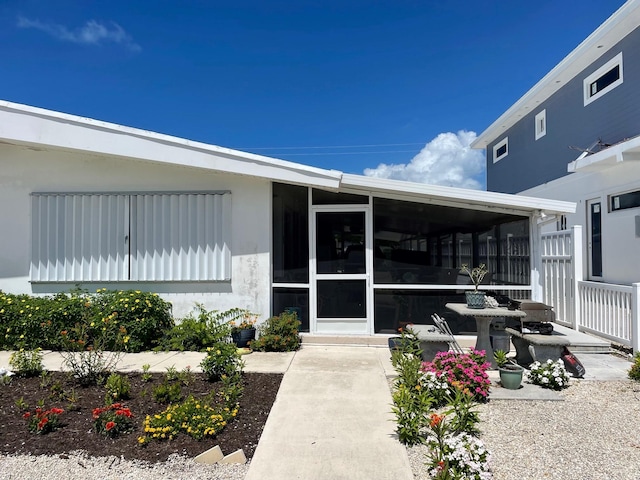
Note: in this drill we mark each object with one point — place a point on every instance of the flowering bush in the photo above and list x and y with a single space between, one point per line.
279 334
27 363
43 421
194 417
248 322
112 420
550 374
465 371
455 456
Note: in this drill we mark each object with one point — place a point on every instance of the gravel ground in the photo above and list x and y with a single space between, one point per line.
78 466
593 434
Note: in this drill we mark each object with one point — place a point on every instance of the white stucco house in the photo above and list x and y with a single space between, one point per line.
98 205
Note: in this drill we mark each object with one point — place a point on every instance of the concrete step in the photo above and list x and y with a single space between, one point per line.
580 342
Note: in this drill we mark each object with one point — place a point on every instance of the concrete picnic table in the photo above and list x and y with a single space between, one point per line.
483 317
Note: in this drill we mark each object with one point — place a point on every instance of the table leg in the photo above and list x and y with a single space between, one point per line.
483 341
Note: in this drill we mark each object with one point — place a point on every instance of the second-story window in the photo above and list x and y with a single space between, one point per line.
541 124
603 80
501 149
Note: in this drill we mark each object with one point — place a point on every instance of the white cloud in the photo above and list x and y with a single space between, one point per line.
91 33
447 160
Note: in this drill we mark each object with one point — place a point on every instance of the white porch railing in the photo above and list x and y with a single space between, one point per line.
607 310
610 311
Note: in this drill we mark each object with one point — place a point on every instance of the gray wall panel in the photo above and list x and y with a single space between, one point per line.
612 118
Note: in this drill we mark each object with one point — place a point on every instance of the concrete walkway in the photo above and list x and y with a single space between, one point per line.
332 420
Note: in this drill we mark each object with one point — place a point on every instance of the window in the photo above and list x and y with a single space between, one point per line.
603 80
501 149
625 200
541 124
131 237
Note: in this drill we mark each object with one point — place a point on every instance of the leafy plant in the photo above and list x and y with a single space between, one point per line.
476 274
463 371
27 363
85 356
500 357
201 329
222 360
549 374
634 371
455 455
118 388
146 376
167 393
411 407
43 421
463 416
112 420
278 334
5 376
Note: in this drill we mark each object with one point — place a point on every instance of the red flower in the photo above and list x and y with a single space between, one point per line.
57 411
26 415
42 423
109 425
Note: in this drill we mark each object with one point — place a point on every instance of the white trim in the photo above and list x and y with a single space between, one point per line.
588 82
504 143
541 124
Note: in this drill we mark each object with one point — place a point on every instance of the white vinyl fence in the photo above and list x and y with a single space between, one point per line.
607 310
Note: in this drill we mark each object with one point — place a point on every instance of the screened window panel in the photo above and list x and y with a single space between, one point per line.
79 237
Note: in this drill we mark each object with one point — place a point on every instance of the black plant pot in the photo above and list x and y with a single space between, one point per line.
242 337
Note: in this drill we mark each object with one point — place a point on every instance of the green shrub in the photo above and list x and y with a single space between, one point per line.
31 322
634 371
202 329
167 392
27 363
117 387
278 334
222 360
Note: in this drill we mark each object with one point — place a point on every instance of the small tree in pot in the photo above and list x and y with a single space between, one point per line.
510 373
475 299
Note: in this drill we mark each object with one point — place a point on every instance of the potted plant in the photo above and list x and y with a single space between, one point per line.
475 298
244 332
510 373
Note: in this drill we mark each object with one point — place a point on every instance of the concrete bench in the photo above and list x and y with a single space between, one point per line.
432 341
532 347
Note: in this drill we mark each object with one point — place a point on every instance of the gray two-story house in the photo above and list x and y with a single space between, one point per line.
576 136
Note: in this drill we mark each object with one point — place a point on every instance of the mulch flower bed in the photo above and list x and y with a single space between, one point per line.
76 430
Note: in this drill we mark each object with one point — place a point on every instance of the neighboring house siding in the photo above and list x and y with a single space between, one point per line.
612 118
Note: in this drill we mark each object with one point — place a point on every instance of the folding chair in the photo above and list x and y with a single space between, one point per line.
443 326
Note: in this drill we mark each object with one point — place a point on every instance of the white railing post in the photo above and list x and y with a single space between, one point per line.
635 317
578 272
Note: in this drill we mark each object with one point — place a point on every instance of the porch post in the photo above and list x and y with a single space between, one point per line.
635 317
577 274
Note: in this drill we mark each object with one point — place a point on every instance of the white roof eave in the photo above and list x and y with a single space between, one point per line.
624 21
26 125
460 197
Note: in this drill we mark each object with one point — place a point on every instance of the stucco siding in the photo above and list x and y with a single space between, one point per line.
25 170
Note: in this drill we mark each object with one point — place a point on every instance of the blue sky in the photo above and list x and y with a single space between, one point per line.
395 89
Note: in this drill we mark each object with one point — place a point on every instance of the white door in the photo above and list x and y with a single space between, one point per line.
341 295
